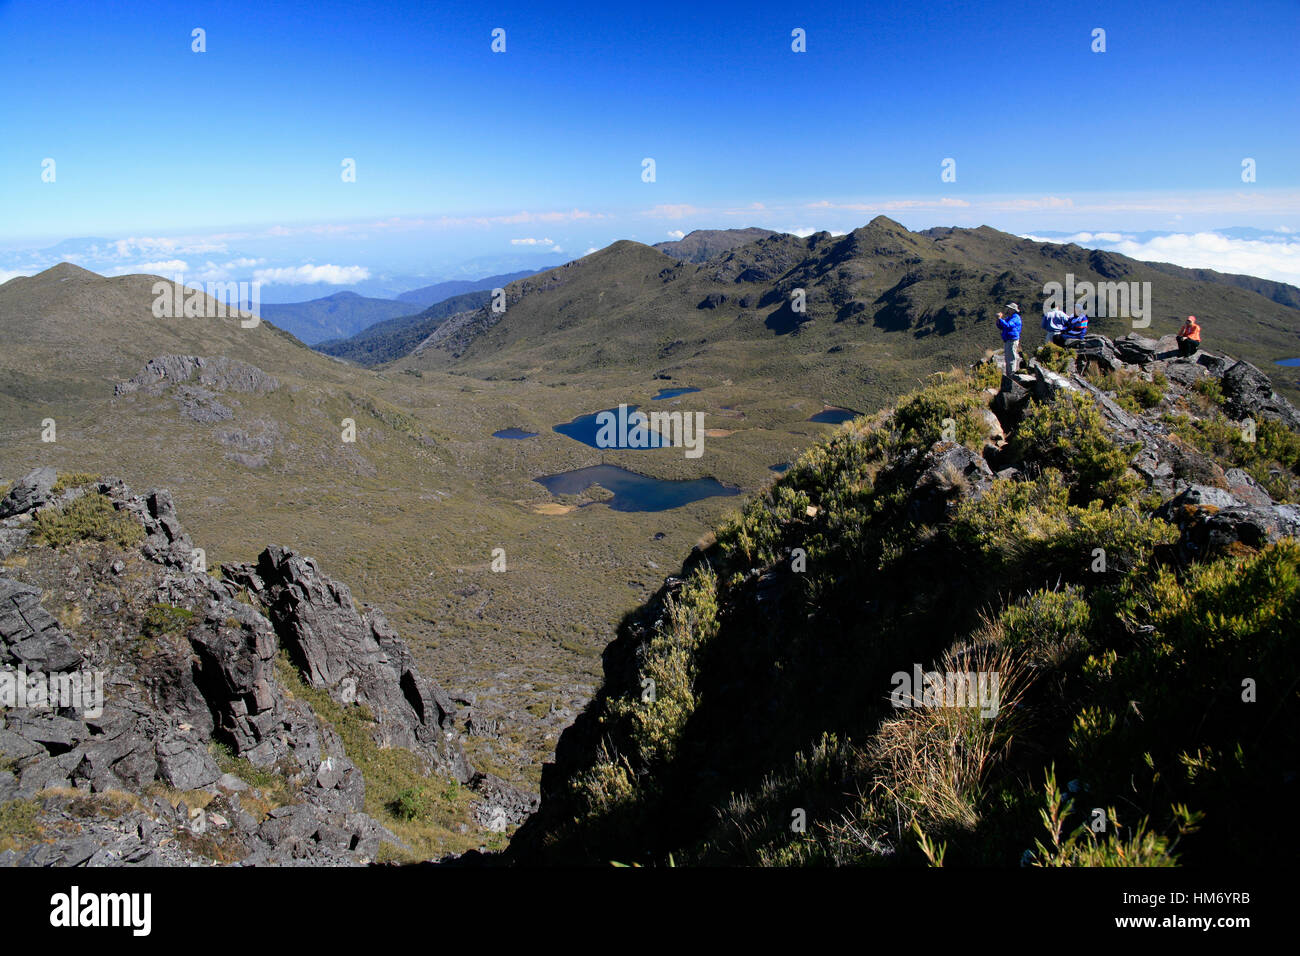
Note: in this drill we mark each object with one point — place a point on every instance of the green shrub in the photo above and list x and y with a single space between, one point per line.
1047 624
1272 459
165 619
412 803
665 694
72 479
91 517
1085 847
1133 392
1070 434
1028 530
1055 358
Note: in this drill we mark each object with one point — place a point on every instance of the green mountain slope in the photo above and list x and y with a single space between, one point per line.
394 338
884 307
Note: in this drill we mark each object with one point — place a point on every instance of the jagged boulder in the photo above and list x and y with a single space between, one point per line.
30 491
503 804
1099 350
1246 488
1185 372
215 372
1134 349
29 635
1248 393
1009 402
949 471
358 659
210 675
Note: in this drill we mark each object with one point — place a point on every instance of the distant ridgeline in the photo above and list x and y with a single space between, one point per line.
857 316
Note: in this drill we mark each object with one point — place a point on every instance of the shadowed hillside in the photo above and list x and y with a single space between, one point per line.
882 308
1107 558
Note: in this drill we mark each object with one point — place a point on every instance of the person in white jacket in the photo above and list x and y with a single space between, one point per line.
1053 324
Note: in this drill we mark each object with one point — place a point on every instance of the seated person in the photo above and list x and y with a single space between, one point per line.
1076 327
1189 337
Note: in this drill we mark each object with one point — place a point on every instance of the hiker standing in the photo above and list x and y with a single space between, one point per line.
1009 326
1189 337
1053 324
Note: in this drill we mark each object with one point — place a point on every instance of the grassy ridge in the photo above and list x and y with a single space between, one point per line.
746 717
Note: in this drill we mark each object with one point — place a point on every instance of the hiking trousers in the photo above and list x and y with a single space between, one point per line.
1009 356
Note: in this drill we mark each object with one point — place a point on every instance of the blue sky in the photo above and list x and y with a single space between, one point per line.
463 155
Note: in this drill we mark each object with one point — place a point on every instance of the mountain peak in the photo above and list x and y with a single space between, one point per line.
67 270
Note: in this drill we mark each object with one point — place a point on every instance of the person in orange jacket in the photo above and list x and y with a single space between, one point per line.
1189 337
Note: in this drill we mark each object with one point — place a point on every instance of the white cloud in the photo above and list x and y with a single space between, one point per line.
531 242
160 267
311 275
1268 258
676 234
169 245
673 211
7 274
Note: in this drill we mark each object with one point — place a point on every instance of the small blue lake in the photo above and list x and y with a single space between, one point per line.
514 433
584 428
665 393
834 416
1289 363
633 492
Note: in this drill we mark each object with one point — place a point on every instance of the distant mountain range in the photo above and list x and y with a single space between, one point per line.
334 316
439 291
344 314
882 306
702 244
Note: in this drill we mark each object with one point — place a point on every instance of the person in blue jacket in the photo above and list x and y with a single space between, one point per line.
1009 326
1076 327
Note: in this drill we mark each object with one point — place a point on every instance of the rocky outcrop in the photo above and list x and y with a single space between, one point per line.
159 710
30 491
1248 393
217 372
358 658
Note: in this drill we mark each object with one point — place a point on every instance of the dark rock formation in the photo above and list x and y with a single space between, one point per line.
209 678
30 491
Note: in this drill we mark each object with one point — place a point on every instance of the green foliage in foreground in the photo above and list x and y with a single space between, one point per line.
1272 459
746 716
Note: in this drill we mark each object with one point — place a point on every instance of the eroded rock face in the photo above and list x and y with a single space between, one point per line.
208 675
358 658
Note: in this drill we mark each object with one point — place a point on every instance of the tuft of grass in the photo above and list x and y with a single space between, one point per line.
73 479
162 620
18 826
91 517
